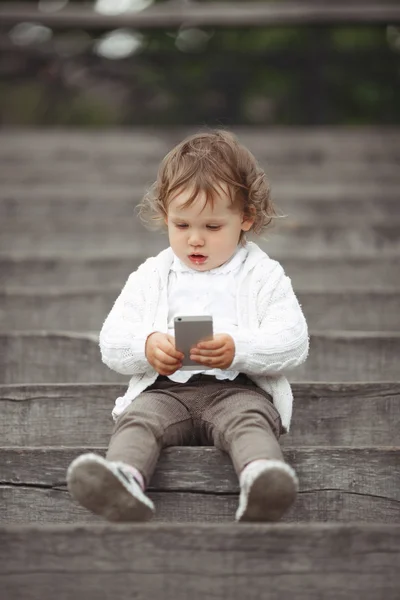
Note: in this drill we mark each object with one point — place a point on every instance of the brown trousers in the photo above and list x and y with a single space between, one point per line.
236 416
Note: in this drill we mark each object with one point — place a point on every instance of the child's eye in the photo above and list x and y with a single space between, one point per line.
210 227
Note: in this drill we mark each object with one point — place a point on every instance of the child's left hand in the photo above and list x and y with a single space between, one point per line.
218 353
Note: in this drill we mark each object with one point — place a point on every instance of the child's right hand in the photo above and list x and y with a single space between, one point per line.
161 353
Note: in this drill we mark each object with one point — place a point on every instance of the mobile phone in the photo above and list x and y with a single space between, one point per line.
189 331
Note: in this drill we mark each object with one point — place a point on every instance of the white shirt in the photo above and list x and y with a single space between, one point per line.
213 292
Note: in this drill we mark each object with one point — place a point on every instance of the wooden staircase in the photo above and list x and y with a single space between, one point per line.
69 239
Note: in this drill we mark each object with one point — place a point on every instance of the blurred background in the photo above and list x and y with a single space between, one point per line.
64 66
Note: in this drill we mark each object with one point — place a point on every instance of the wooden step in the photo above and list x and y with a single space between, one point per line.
351 356
71 310
200 561
199 484
367 240
311 196
133 172
279 145
325 414
18 197
68 357
312 273
23 210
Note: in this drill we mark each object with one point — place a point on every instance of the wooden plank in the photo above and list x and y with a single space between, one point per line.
313 198
20 212
215 14
360 471
323 144
366 240
335 484
338 199
363 310
351 356
24 505
136 174
35 415
70 310
70 145
74 243
267 562
344 414
62 415
66 357
274 145
53 357
317 273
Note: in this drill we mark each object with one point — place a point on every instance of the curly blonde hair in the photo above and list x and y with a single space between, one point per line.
202 162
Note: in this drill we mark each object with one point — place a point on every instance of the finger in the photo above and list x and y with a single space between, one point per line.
170 350
211 345
170 339
197 352
165 358
164 369
208 360
207 354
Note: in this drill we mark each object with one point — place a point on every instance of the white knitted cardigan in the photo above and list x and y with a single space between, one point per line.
272 333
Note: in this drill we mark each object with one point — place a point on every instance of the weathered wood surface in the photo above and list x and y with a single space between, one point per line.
318 273
176 562
328 178
23 505
341 199
67 357
351 356
367 240
72 310
277 145
360 471
335 484
325 414
363 311
43 357
215 14
41 216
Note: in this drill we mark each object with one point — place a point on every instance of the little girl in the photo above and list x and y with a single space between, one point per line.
209 192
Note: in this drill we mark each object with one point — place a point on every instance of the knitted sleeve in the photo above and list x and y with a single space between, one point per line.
281 341
123 335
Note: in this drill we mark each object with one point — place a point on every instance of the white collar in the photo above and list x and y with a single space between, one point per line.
230 265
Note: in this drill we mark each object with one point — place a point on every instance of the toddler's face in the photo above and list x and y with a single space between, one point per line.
211 234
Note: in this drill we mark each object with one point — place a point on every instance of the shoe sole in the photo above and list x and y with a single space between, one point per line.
270 496
99 490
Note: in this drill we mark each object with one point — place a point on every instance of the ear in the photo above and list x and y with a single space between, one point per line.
247 221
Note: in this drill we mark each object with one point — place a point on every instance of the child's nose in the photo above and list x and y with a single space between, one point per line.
195 239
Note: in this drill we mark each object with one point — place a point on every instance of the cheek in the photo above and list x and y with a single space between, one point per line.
176 233
226 240
232 233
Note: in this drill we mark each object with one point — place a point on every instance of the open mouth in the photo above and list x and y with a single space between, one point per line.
197 258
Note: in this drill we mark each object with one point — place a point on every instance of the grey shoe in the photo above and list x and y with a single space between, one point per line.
267 490
108 489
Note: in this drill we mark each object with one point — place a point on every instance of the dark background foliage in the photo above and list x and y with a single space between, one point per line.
306 75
